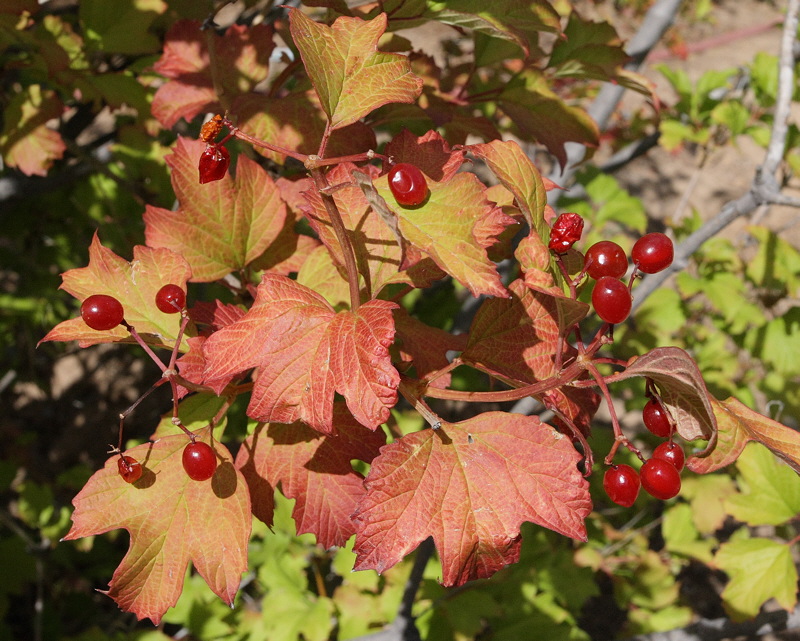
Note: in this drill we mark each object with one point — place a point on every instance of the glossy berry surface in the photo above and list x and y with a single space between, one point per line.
408 184
660 479
566 231
102 312
671 453
129 468
199 461
621 483
611 299
653 253
213 164
656 419
170 299
605 258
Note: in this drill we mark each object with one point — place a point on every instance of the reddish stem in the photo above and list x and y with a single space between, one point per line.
348 253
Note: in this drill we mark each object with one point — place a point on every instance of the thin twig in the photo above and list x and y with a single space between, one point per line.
765 189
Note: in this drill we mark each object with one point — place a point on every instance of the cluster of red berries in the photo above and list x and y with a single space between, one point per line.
102 312
660 474
606 263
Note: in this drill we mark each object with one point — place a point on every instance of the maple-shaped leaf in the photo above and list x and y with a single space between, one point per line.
447 226
540 114
429 152
313 469
470 485
737 425
304 351
297 122
351 77
759 570
172 520
134 284
240 62
26 142
681 387
520 176
221 226
517 339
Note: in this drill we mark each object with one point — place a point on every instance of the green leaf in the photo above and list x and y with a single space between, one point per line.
778 342
770 490
682 537
350 75
734 115
615 204
776 265
121 26
764 78
726 292
759 570
706 495
510 20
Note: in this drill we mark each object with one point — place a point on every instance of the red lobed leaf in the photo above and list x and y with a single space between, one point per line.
172 520
304 351
222 226
313 469
517 339
425 347
351 77
737 426
470 485
134 284
241 61
430 153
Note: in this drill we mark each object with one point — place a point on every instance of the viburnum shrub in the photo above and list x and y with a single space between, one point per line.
320 334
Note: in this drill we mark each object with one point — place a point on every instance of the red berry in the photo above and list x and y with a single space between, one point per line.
670 452
611 299
621 483
656 419
566 231
652 253
170 299
605 258
660 479
408 184
199 461
102 312
213 164
129 468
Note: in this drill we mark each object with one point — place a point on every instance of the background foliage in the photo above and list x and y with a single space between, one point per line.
82 152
